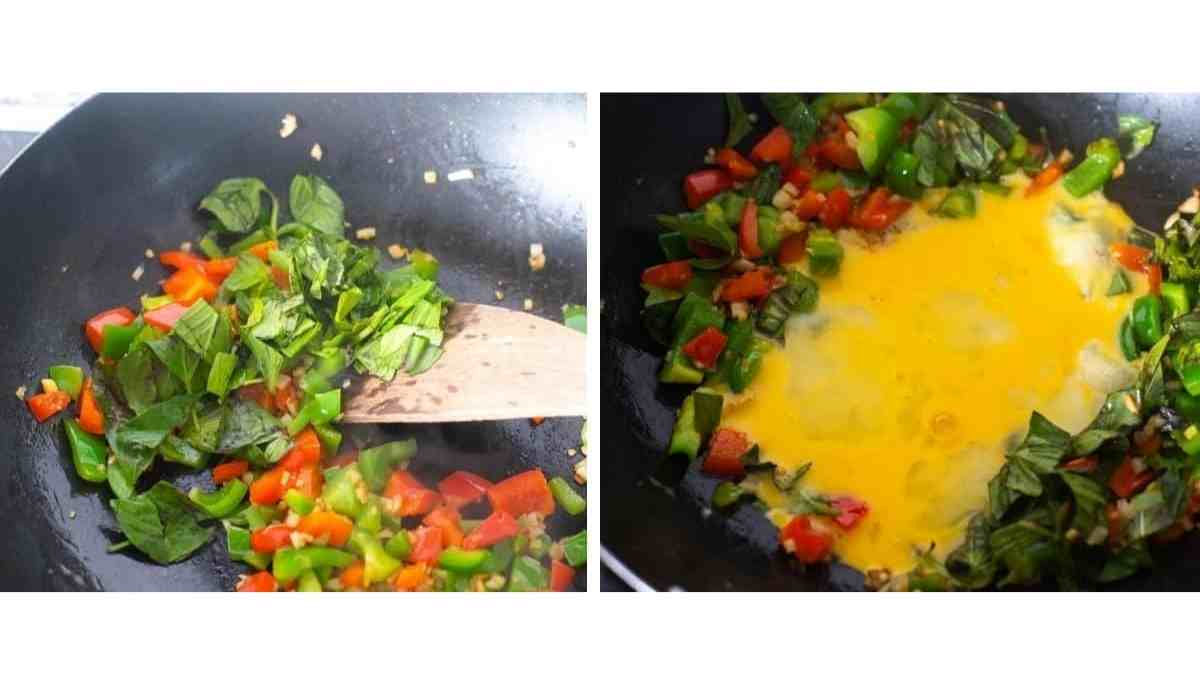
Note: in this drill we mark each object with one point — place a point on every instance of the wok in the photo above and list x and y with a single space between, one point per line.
123 173
659 534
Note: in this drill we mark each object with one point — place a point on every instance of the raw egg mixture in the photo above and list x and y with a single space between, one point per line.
925 357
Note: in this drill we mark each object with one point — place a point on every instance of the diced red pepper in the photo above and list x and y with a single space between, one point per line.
809 205
1112 518
833 149
1131 257
412 495
1154 277
427 545
672 275
523 493
561 576
879 210
94 328
263 250
285 398
333 527
309 481
703 185
447 520
495 528
229 471
281 278
1081 464
262 582
705 347
271 538
850 511
220 268
775 147
267 489
1044 179
793 249
47 404
725 451
748 231
836 209
410 578
306 451
179 259
804 541
750 285
1126 481
799 176
461 488
352 576
164 317
91 418
736 164
189 284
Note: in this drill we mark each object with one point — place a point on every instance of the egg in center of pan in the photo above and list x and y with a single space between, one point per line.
925 357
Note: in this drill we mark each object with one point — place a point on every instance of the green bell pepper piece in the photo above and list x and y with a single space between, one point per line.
1187 405
732 205
824 253
958 204
377 464
831 102
674 245
309 583
330 437
341 491
424 264
677 369
289 563
695 313
462 561
527 575
318 409
768 230
222 502
68 378
726 494
826 181
257 517
1119 284
500 557
378 565
575 548
299 503
744 369
1190 376
878 133
1018 149
371 518
116 339
907 105
237 541
902 174
88 452
399 545
1129 346
1177 299
685 439
1096 170
317 378
570 501
1147 321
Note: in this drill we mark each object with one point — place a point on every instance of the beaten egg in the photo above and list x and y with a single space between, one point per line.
927 353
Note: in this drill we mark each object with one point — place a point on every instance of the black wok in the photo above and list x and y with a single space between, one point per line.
123 173
649 143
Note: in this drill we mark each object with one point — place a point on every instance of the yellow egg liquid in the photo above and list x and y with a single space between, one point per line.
925 357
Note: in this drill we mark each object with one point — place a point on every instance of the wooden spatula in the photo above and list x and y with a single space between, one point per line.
497 364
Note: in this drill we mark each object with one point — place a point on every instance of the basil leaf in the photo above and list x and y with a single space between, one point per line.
764 185
135 374
237 203
249 273
1117 415
792 113
197 327
316 205
972 563
269 360
161 523
245 423
1126 562
739 122
1090 497
1044 446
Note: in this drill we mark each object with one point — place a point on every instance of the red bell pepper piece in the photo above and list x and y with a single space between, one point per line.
775 147
523 493
220 268
1154 277
267 489
333 527
703 185
90 417
748 232
1131 257
271 538
427 545
262 582
305 452
561 576
750 285
836 210
1045 178
47 404
263 250
495 528
94 328
309 481
1126 481
736 164
164 317
793 248
461 488
809 205
352 576
799 176
879 210
447 520
228 471
189 284
834 150
672 275
1081 464
805 542
413 497
850 511
179 259
705 347
725 451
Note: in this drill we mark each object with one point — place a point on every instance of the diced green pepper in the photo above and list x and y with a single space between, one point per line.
500 557
825 181
995 188
768 229
732 205
726 494
695 313
958 204
399 545
1018 149
299 503
907 105
378 565
68 378
462 561
674 245
309 583
685 439
1119 284
377 463
677 369
575 548
1147 321
831 102
371 518
289 563
527 575
237 541
1129 346
1177 299
424 264
744 369
902 174
116 339
222 502
824 253
1190 376
330 437
88 452
341 491
1096 170
878 133
570 501
318 409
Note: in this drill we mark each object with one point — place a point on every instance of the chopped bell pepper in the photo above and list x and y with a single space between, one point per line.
878 133
378 565
1131 257
496 528
959 203
737 165
570 501
902 174
1175 296
221 503
91 418
318 409
229 471
1096 170
237 542
725 453
68 378
165 317
703 185
331 527
527 575
341 491
462 561
575 548
1126 480
461 488
825 253
672 275
399 545
753 284
836 210
299 503
748 231
704 349
850 511
447 520
261 582
289 562
94 328
561 576
1147 321
1044 179
267 489
89 453
805 542
116 339
427 545
188 284
48 404
413 498
371 518
376 464
523 493
775 147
